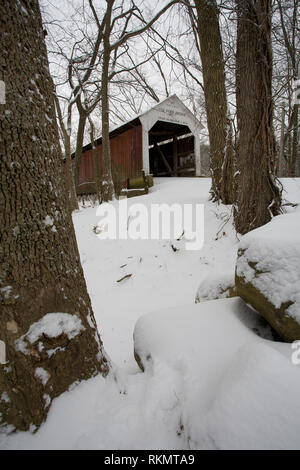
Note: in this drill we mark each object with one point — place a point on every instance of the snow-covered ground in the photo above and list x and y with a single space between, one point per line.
212 382
161 278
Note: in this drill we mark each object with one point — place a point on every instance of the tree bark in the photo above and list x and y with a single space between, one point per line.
95 161
66 133
79 146
227 183
282 161
107 180
295 143
214 90
70 175
258 195
46 319
290 32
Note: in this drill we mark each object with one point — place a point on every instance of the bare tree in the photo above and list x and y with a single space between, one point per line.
258 195
113 42
99 54
87 62
95 160
65 130
205 23
286 35
46 319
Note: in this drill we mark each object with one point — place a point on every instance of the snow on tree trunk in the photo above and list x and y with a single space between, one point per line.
46 320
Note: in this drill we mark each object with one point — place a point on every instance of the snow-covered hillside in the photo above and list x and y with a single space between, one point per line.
212 381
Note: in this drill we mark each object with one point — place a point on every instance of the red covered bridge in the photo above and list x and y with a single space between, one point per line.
164 141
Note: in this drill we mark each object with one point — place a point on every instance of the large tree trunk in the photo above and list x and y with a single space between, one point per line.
107 180
46 319
258 196
214 92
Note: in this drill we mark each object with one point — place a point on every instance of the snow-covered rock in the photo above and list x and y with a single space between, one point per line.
233 385
220 286
268 273
203 336
256 405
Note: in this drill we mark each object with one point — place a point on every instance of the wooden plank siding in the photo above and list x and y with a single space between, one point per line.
126 153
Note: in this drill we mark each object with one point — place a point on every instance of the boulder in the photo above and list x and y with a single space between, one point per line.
220 286
268 273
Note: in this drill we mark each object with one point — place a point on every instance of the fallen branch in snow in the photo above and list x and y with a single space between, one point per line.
125 277
174 248
291 204
178 239
226 218
97 229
